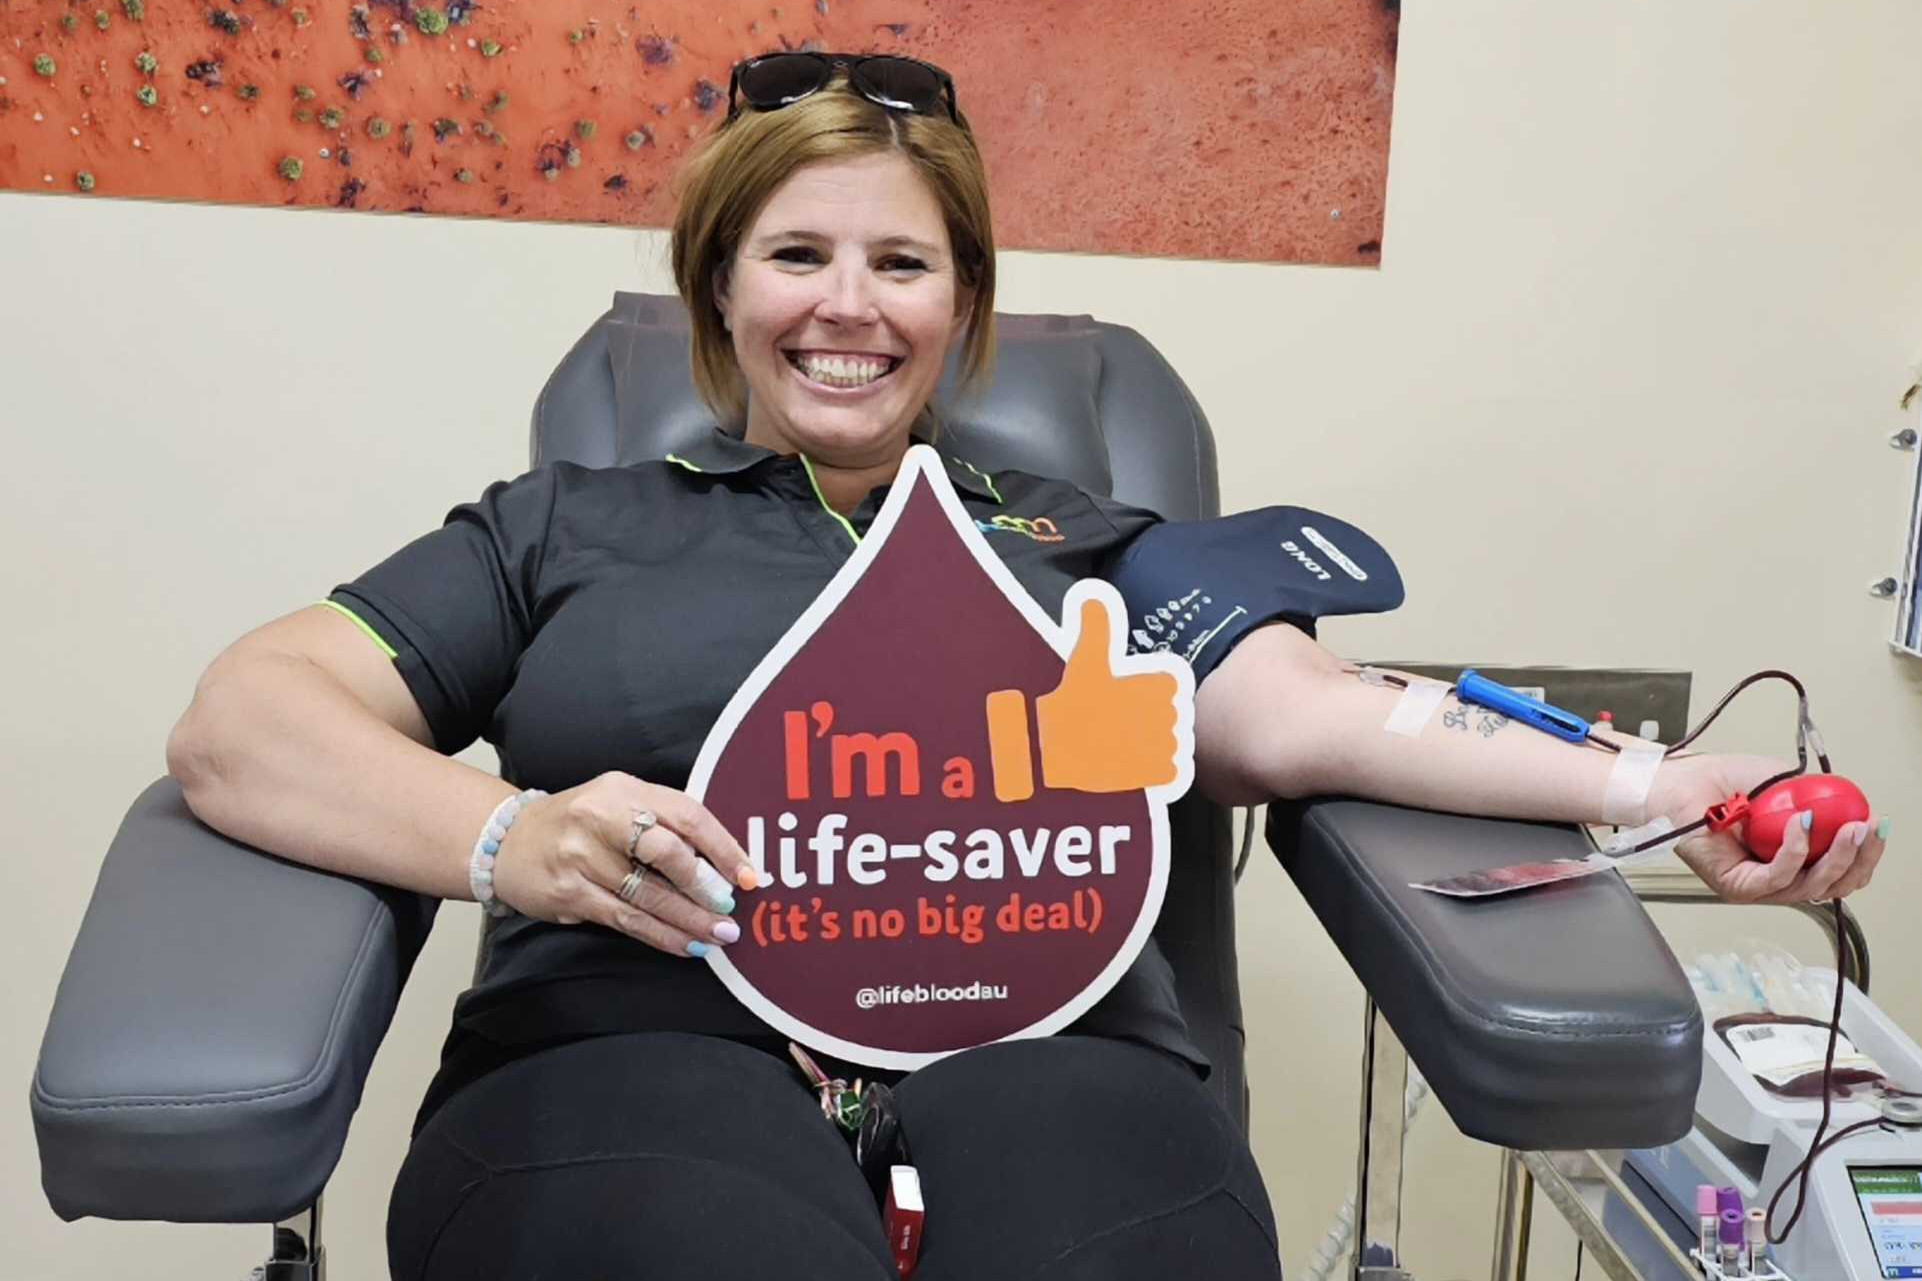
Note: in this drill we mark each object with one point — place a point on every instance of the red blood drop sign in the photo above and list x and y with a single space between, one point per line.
961 802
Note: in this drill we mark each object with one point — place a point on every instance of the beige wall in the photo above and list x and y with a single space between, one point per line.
1618 395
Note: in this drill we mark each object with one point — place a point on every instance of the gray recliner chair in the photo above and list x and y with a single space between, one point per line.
217 1017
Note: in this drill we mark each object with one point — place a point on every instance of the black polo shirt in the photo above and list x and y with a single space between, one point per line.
592 619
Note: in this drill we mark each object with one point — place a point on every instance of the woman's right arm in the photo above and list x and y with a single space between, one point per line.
303 740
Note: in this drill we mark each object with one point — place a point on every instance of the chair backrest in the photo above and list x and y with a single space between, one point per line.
1073 398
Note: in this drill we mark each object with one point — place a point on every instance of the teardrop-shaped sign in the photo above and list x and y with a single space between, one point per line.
962 803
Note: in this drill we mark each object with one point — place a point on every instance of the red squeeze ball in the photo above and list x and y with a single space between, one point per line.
1833 799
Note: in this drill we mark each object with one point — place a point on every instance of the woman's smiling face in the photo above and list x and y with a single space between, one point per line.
842 301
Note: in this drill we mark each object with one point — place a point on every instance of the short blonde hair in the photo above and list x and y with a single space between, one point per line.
738 167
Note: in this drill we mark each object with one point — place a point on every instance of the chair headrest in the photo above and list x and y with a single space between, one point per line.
1071 397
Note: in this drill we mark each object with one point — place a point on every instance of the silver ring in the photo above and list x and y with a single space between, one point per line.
644 822
631 887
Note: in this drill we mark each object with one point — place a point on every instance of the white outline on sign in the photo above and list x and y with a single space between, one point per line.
922 462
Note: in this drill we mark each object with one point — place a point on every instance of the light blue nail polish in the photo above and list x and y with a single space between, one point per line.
1882 830
1808 819
697 948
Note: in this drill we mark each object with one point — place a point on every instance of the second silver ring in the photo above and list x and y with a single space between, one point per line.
631 887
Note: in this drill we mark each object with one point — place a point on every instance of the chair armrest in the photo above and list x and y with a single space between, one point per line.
214 1025
1551 1019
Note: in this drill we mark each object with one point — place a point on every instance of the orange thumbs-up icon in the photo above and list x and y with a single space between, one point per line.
1099 731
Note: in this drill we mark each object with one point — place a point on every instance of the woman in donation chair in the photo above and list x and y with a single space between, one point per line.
604 1107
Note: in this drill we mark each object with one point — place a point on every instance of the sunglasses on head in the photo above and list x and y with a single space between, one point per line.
777 80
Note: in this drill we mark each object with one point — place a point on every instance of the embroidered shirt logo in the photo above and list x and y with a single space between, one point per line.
1039 528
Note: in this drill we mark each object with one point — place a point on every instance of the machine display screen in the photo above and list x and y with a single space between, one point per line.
1891 1201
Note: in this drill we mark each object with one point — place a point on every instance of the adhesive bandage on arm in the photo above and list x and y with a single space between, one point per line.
1625 798
1416 706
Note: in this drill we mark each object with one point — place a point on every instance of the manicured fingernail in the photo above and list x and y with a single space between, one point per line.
1882 830
725 906
697 948
727 931
747 878
1808 819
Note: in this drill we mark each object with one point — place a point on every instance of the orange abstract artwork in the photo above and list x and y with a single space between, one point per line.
1232 129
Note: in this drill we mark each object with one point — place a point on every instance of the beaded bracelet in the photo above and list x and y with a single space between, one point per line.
480 867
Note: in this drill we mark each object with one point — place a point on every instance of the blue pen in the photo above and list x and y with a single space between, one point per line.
1479 690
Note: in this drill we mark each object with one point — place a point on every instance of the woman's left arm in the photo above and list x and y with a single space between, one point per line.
1283 717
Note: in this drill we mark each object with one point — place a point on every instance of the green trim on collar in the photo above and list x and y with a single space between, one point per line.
824 502
985 478
361 623
719 453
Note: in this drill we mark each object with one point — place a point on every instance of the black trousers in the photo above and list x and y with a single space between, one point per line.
664 1157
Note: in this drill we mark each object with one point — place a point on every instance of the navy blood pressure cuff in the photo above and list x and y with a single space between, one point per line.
1195 588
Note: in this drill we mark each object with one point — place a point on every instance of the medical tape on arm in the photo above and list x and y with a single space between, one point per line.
1625 799
1416 706
1623 841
